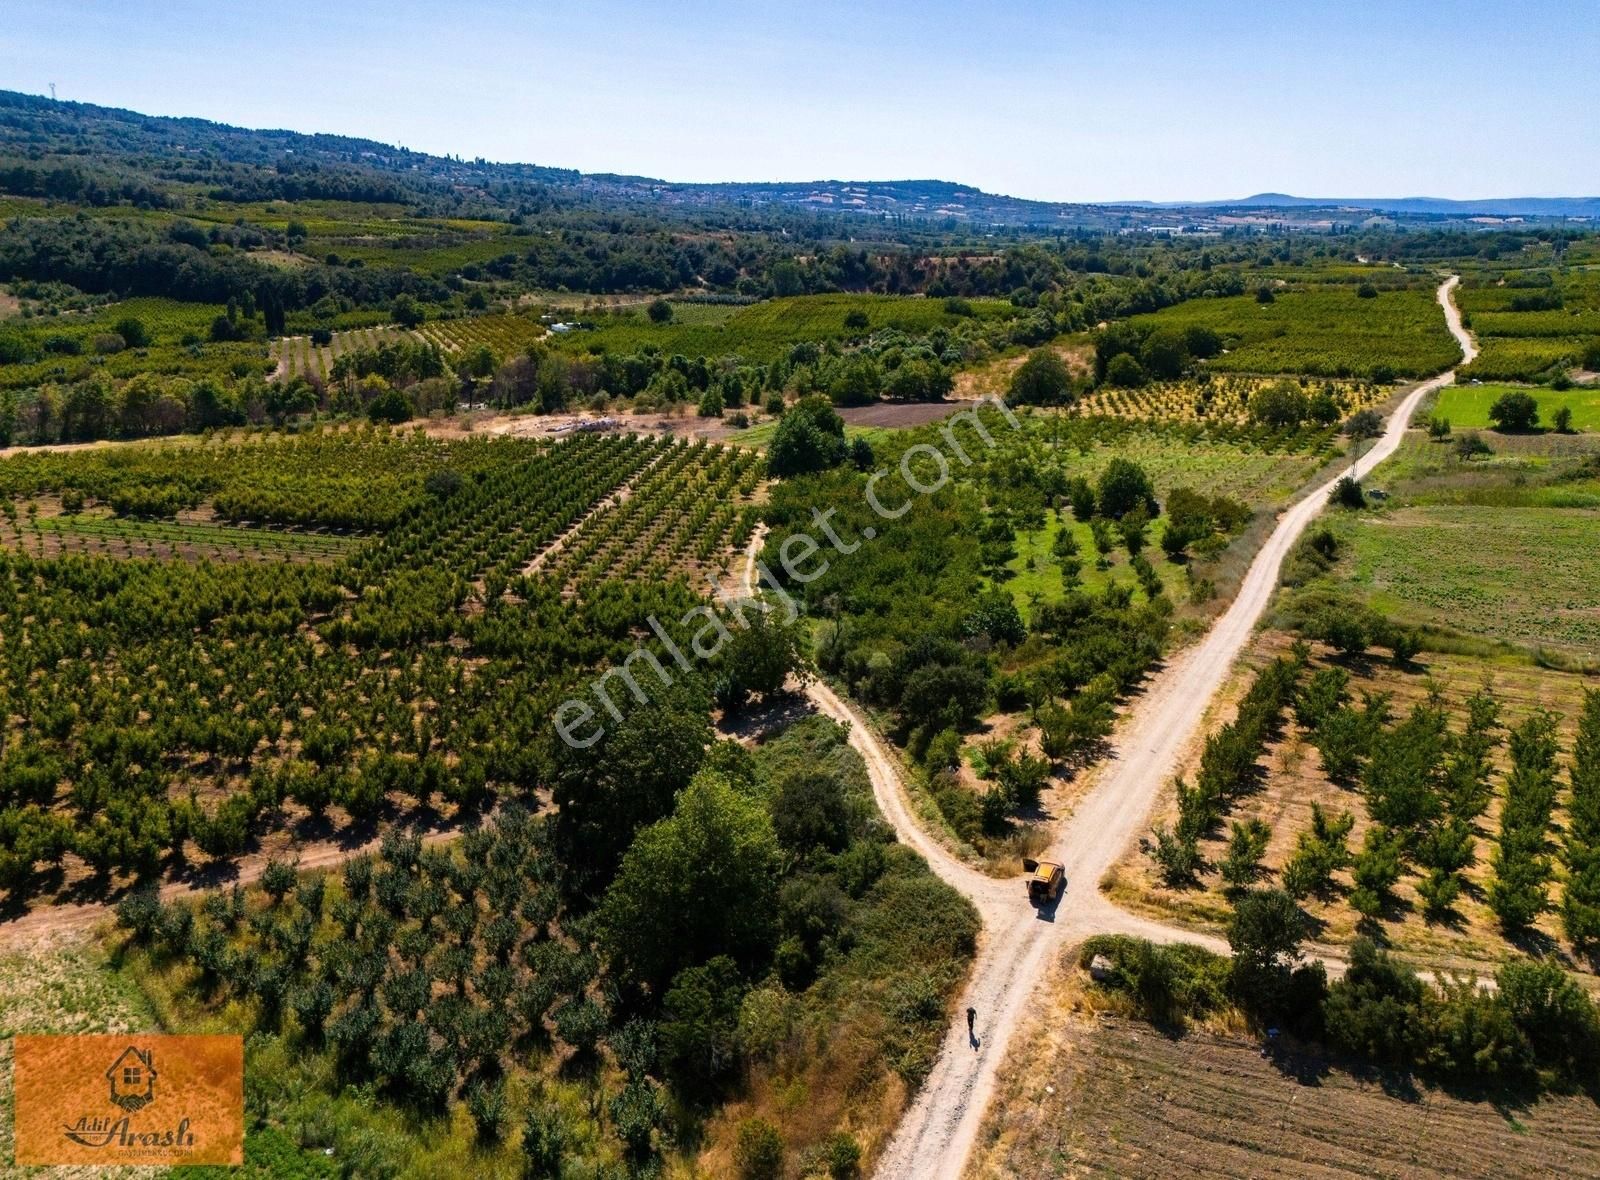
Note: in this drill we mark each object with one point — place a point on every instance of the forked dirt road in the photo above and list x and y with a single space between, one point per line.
1019 944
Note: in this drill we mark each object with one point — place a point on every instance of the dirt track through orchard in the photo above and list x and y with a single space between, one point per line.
1019 944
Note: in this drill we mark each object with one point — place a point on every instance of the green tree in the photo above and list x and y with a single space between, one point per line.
1124 486
1281 405
659 311
1125 372
1360 427
1265 932
1247 844
1514 411
407 312
809 438
1580 903
699 883
1519 892
700 1022
1164 354
391 405
1042 380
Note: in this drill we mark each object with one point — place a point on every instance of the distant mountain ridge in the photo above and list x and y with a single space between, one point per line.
1444 206
37 128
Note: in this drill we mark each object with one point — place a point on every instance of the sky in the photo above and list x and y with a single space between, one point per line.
1067 101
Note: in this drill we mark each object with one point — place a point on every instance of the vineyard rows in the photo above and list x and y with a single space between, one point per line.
1223 398
503 335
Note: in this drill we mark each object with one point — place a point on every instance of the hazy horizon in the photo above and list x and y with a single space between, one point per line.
1154 101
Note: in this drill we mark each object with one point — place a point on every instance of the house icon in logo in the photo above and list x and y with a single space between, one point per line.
133 1079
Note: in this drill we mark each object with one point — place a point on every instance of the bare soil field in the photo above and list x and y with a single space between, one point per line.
1097 1094
1294 780
899 414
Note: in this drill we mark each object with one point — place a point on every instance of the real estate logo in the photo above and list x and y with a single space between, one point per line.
133 1079
115 1100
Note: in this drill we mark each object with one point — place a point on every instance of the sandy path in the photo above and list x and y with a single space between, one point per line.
1021 944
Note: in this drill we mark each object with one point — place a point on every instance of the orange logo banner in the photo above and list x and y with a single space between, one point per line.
129 1099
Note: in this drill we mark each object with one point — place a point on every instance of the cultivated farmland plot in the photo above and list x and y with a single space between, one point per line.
329 640
1224 398
1322 331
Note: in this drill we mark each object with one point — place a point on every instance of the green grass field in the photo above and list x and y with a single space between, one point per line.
1323 331
1468 405
1523 575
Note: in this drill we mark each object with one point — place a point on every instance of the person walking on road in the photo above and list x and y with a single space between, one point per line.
972 1016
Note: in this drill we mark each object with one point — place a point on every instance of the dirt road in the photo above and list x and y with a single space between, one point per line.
1020 943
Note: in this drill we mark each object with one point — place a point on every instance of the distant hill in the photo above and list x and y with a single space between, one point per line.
141 158
1434 206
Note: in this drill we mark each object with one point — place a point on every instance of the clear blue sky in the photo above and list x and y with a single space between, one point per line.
1158 99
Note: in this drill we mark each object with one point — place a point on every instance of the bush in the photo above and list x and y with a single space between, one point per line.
1170 984
842 1156
1563 420
390 406
758 1151
1347 493
1124 371
133 332
1376 1011
659 311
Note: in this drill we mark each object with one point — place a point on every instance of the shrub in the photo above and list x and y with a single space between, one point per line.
1124 371
1563 420
758 1150
133 332
659 311
1347 493
842 1156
